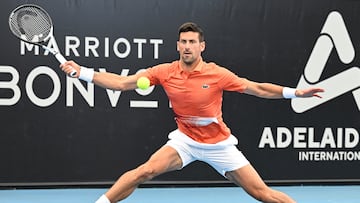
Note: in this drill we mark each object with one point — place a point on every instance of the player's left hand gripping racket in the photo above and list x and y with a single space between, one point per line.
32 24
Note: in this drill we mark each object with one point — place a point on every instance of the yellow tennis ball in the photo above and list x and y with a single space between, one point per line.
143 83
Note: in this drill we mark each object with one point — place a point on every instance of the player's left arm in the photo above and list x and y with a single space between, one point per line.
274 91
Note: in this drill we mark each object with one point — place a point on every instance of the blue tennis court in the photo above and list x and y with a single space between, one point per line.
302 194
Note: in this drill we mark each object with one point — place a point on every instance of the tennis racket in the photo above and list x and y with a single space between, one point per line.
32 24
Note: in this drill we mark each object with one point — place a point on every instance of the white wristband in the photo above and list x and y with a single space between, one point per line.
86 74
288 93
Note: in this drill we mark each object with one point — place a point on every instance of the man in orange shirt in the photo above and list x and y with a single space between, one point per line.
195 89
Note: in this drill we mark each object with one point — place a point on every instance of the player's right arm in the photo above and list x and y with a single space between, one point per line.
103 79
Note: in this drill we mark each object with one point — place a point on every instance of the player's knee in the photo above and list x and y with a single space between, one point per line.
146 172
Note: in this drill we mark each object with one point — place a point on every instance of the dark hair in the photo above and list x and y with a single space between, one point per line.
192 27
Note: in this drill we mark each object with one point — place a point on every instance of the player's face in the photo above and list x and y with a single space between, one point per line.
190 47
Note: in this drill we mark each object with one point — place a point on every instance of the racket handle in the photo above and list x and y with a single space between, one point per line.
62 60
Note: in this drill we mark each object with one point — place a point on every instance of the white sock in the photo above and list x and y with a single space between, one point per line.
103 199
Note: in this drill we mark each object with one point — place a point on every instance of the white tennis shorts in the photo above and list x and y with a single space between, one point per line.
223 156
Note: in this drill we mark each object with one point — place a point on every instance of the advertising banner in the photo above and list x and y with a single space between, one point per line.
60 130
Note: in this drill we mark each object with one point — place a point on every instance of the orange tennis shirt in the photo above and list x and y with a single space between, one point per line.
196 97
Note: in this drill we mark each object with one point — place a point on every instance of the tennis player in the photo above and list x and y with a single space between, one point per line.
195 89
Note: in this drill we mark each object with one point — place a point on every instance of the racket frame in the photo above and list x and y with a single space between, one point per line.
61 59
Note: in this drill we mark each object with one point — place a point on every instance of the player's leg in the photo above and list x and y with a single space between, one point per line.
249 179
164 160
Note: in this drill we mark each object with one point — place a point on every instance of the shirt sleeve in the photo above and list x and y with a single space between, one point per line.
157 74
229 81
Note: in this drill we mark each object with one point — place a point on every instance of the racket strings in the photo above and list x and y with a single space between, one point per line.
31 24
